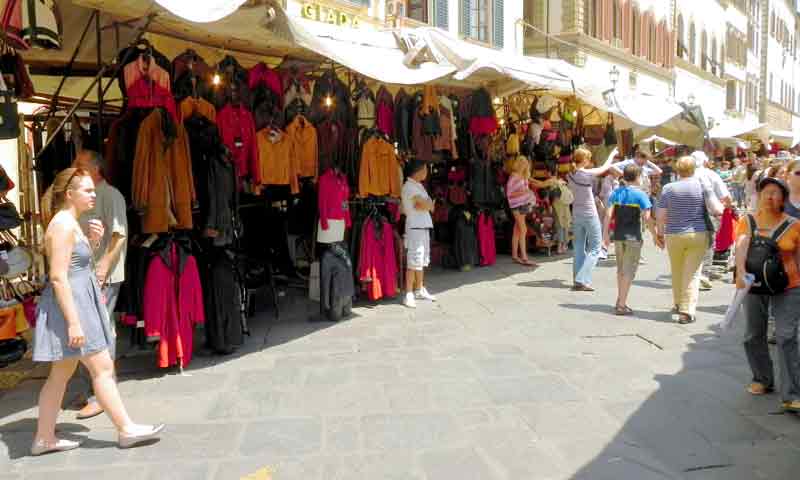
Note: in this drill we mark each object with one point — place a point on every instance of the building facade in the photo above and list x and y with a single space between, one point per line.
735 58
780 94
490 23
635 37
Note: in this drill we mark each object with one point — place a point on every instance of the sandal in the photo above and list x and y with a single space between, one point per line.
528 263
622 310
685 318
758 388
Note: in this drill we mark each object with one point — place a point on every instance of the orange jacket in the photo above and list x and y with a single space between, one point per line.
277 160
189 106
163 185
379 173
304 135
430 100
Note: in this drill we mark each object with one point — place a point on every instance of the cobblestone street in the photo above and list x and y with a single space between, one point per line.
509 376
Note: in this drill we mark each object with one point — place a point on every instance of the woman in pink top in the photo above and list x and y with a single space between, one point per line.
521 200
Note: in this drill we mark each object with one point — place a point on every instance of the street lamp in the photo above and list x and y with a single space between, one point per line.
613 75
608 95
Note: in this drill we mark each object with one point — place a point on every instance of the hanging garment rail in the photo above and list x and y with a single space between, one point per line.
97 78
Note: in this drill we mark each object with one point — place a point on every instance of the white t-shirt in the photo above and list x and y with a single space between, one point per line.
415 219
708 175
110 209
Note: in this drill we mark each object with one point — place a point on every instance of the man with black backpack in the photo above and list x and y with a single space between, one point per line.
766 247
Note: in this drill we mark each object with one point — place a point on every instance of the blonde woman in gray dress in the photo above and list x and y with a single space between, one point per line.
71 322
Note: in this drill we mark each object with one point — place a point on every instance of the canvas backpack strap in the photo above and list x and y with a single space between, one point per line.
752 222
778 233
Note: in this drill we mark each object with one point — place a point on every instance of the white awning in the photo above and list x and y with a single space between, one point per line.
735 127
205 11
656 138
787 137
375 54
509 71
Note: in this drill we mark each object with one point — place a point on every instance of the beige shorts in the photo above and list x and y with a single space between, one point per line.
628 252
418 249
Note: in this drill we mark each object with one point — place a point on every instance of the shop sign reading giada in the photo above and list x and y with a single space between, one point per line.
322 13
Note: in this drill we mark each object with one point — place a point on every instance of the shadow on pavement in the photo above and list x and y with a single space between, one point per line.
555 283
700 424
659 316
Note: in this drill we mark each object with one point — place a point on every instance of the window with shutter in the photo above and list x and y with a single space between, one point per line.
417 10
466 25
692 43
681 41
499 24
442 19
636 37
704 50
482 20
730 95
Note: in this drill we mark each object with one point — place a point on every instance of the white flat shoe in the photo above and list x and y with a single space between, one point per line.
61 445
128 440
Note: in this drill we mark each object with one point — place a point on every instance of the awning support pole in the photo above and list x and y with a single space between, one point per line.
97 78
99 37
68 71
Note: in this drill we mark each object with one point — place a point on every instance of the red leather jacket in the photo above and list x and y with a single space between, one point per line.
238 131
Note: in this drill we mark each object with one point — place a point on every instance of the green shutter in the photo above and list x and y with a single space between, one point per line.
498 32
466 7
442 17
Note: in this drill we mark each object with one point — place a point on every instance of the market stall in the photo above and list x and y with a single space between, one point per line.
259 152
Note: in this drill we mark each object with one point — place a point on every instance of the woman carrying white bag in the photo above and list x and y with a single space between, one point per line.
767 247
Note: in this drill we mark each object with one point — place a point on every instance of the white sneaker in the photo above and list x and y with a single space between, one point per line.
409 301
423 294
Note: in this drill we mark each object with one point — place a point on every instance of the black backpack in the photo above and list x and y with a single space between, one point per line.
764 260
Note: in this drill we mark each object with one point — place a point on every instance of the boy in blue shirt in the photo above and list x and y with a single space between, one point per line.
629 206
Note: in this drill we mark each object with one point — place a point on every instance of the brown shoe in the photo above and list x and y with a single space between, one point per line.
579 287
793 406
757 388
91 409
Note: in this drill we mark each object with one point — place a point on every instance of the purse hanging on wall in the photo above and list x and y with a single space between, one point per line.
611 133
9 114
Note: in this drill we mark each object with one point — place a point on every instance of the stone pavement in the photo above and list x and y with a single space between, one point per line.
509 376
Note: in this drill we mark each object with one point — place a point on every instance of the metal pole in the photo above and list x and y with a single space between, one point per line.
69 68
99 37
547 30
97 77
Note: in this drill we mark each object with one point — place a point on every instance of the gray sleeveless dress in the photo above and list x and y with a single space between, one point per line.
51 341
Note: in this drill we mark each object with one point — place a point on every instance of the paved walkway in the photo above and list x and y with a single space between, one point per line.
509 376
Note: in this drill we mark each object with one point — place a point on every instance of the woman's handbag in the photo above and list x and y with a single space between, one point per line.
9 217
17 258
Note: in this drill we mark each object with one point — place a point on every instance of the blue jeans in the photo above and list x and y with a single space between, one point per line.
588 239
738 194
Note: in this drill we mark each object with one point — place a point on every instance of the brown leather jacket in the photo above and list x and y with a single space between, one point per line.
163 185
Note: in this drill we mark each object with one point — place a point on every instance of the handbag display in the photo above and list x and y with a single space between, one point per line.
9 113
610 137
11 24
12 351
9 217
595 134
18 258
